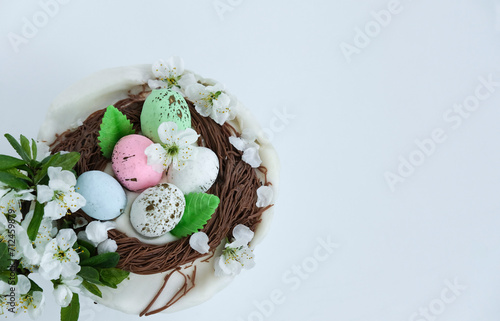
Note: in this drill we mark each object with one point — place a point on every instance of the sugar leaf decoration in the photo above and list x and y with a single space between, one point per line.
115 125
199 209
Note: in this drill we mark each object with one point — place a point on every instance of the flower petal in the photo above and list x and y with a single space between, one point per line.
157 84
97 232
157 157
242 236
175 66
265 196
70 269
196 92
167 132
55 210
43 151
186 80
66 238
216 87
45 193
51 269
203 109
23 284
74 201
187 137
160 69
246 258
107 246
36 307
63 295
61 180
238 143
199 242
251 156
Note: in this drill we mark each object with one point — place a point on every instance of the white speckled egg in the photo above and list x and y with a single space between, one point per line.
130 163
105 197
157 210
198 175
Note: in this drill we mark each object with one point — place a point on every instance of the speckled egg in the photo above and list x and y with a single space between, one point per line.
198 175
157 210
164 105
130 163
105 197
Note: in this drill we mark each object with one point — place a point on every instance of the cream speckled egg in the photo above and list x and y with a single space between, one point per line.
198 175
157 210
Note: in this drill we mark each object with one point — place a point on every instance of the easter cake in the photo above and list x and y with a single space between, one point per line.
176 171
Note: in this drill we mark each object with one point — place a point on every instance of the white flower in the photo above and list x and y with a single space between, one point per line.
246 143
171 74
63 292
24 302
212 101
33 251
10 204
237 255
60 195
199 242
59 258
33 304
19 244
7 296
265 196
176 148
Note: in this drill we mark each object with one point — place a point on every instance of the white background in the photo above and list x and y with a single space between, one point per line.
353 121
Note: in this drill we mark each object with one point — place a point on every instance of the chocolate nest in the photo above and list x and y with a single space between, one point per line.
236 186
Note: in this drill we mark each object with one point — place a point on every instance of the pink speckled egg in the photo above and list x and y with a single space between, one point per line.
130 163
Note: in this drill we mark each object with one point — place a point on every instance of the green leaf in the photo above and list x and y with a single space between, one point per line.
115 125
72 311
13 181
66 162
8 162
90 274
113 276
36 221
5 276
25 144
199 209
92 288
18 148
5 260
91 248
16 173
83 253
34 149
34 287
106 260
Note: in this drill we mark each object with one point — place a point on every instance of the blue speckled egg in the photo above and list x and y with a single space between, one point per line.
105 197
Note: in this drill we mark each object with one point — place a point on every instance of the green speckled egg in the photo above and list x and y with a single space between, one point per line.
164 105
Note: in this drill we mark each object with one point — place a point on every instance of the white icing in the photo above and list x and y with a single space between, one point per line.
97 92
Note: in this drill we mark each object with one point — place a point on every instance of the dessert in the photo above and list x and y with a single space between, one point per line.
199 176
